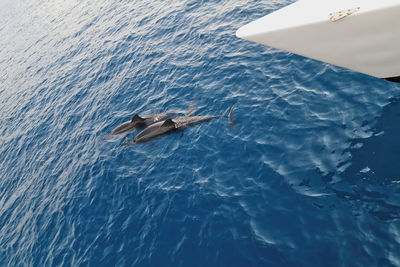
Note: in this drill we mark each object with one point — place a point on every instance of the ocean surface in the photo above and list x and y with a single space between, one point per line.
308 177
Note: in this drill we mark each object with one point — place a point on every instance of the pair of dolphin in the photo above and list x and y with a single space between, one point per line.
179 123
158 124
138 122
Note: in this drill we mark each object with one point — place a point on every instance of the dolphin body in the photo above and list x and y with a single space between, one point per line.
178 123
143 121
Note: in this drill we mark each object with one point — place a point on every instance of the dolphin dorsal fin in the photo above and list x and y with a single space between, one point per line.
169 123
137 119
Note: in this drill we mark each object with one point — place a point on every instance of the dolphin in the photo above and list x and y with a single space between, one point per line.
143 121
178 123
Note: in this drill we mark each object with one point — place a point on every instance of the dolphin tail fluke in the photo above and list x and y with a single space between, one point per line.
230 117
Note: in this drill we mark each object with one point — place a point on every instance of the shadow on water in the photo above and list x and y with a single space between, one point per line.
375 160
372 176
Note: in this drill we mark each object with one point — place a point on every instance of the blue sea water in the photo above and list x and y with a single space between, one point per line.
309 177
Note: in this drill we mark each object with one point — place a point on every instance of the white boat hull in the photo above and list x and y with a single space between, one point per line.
367 40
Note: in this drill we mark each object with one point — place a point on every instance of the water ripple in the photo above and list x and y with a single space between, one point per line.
306 178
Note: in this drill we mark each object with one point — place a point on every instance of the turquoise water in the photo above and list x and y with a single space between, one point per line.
309 176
